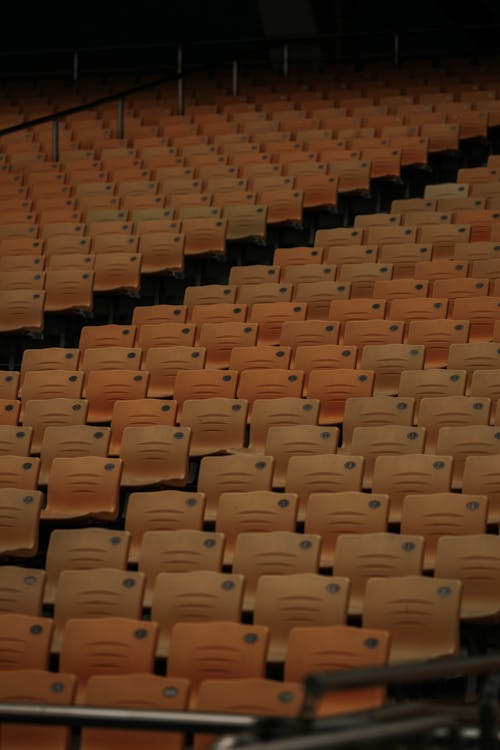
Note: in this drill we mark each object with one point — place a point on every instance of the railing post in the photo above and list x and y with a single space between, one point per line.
55 139
396 49
75 65
285 61
121 117
180 83
235 78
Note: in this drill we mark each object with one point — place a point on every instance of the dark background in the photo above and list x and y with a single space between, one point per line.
428 28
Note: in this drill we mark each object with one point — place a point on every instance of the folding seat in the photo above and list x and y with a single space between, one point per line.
264 293
371 442
100 358
154 454
74 440
61 228
17 230
117 272
374 411
22 590
388 361
196 211
486 270
327 648
104 387
146 411
458 204
150 225
403 257
389 235
209 294
66 244
22 280
204 237
16 472
352 174
256 274
417 308
472 439
342 254
69 289
83 486
319 295
361 333
15 441
420 613
259 357
24 642
451 411
22 311
49 358
331 514
482 313
334 387
9 411
342 311
279 553
194 596
283 442
323 356
258 696
40 687
308 273
458 288
480 220
419 218
234 650
96 215
178 551
437 336
339 237
473 175
486 384
163 364
107 646
168 334
442 514
443 238
473 560
219 339
410 474
295 600
478 355
432 383
115 243
400 289
42 413
19 513
359 557
201 384
217 425
222 312
21 262
269 383
297 334
110 335
135 691
413 204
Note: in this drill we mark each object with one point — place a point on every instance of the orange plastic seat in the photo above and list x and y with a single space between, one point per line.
24 641
158 314
135 691
259 357
194 596
270 317
255 274
404 258
178 551
164 362
417 308
134 412
154 454
22 311
162 252
106 336
283 442
359 557
217 425
319 295
334 387
219 339
105 387
83 487
269 383
278 412
332 514
374 411
40 687
204 237
472 439
83 549
165 335
222 312
371 442
107 646
222 650
410 474
201 384
19 472
235 473
280 553
310 648
71 441
451 411
431 383
388 361
442 514
69 289
482 312
421 614
437 336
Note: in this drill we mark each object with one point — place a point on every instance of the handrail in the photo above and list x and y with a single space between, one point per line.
130 718
343 738
318 684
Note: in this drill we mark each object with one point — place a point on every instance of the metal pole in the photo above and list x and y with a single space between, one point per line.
180 83
55 139
121 116
285 61
75 65
235 78
396 49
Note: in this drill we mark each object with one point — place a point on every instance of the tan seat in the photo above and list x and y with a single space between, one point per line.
83 487
154 455
217 425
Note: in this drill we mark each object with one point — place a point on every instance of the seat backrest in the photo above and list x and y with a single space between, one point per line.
21 590
199 384
286 602
135 691
421 614
334 387
71 441
82 487
233 473
374 411
194 596
217 425
19 472
283 442
105 387
155 454
24 641
274 412
42 413
20 514
219 339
